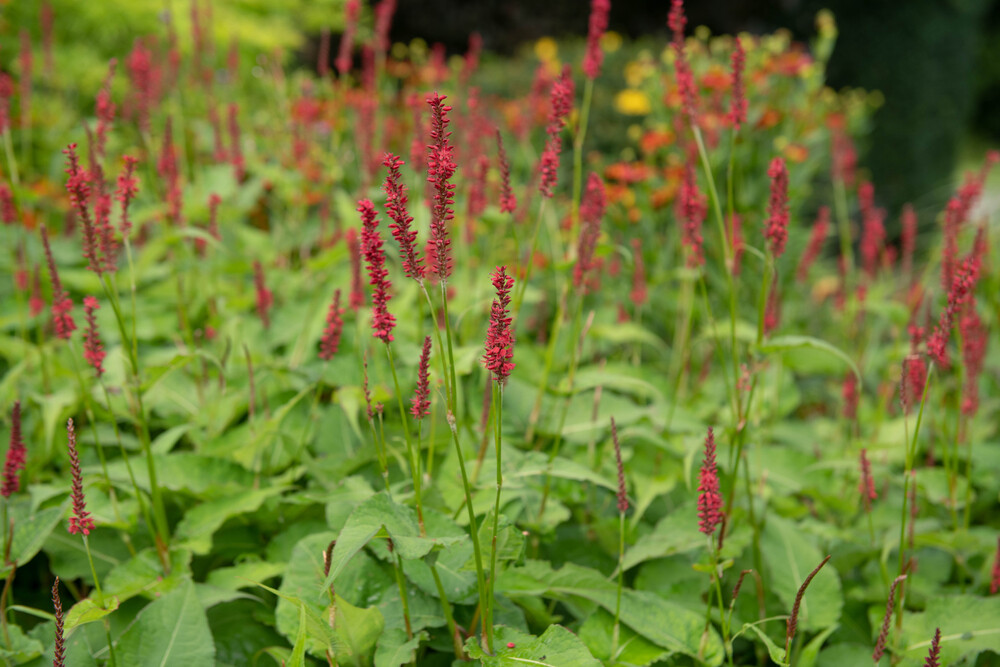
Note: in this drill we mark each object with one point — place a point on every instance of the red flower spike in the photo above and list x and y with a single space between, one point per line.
598 25
777 209
499 337
640 292
691 209
354 250
867 485
105 108
125 192
145 79
508 202
236 153
421 399
685 77
343 62
561 99
591 212
709 498
622 496
371 247
974 341
395 206
62 305
883 634
912 378
872 229
738 101
17 455
961 291
93 350
36 304
59 656
6 93
995 575
167 169
440 168
265 299
820 230
78 186
330 341
849 392
935 652
8 211
80 522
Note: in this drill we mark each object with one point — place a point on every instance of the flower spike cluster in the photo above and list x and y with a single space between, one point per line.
777 208
371 247
78 187
81 521
508 201
440 168
499 337
354 251
562 102
421 399
395 206
62 305
591 212
961 291
330 341
867 485
17 455
126 191
93 350
738 103
593 58
709 498
685 77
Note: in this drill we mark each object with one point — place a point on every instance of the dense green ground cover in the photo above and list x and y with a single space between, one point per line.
751 416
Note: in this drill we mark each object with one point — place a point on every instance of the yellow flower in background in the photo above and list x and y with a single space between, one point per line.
546 50
632 102
611 41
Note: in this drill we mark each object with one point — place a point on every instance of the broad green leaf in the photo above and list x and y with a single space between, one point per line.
21 648
318 630
242 574
87 611
298 656
783 343
143 574
367 520
809 654
302 587
633 649
394 649
31 529
970 625
674 534
199 523
557 647
537 463
172 630
660 621
626 332
358 629
203 476
790 556
776 652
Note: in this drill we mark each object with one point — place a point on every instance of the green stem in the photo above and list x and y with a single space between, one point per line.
451 354
448 616
414 458
621 584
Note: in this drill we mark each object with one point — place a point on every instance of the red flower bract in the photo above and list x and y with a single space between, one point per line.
421 398
17 455
330 341
395 206
777 208
499 337
709 498
80 522
371 247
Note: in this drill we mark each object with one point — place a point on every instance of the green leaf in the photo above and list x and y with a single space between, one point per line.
318 631
557 647
298 656
359 630
537 463
662 622
199 523
243 574
776 652
394 649
809 654
675 533
31 529
87 611
783 343
367 520
21 648
790 556
143 574
172 630
626 332
633 649
969 625
301 587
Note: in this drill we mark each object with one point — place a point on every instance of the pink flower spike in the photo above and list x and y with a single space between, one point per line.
421 399
820 230
995 575
371 247
8 211
890 605
78 186
80 522
330 341
354 250
593 58
685 77
591 212
561 99
395 206
709 498
93 350
62 305
499 337
440 168
125 192
935 652
738 101
508 202
691 209
265 298
640 292
17 455
849 392
867 485
961 291
777 209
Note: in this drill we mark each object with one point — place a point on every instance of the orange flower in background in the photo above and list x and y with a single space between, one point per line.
653 140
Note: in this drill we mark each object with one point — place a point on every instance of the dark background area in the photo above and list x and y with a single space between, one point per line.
936 61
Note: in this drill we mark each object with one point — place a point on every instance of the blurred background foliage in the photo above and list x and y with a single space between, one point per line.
936 62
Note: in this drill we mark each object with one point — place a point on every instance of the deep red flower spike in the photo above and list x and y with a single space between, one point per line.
499 347
777 209
330 341
81 521
421 400
371 247
17 455
709 498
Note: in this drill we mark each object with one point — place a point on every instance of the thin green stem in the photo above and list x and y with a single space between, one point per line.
615 630
497 432
413 455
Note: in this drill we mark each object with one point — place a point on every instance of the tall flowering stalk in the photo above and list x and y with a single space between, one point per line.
820 230
498 353
883 634
591 212
791 625
421 401
777 208
440 169
709 499
935 651
16 457
93 349
357 298
127 188
343 62
682 68
738 98
62 305
691 210
598 24
78 187
330 340
59 654
960 292
622 509
508 201
561 101
383 321
395 205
